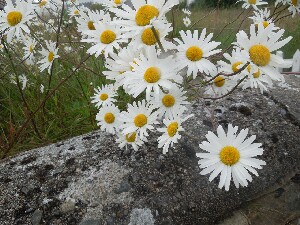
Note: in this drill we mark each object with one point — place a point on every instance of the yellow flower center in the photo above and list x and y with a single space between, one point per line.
256 74
76 12
294 2
168 100
235 65
31 48
91 25
145 14
260 55
109 118
194 53
103 96
252 2
172 129
118 2
50 56
140 120
130 137
229 155
42 3
108 36
148 37
14 17
219 81
152 75
265 24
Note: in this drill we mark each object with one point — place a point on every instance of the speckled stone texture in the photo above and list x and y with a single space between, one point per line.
88 180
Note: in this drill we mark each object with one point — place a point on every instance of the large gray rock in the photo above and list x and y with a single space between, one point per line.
110 186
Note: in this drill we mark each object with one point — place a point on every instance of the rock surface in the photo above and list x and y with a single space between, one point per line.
89 180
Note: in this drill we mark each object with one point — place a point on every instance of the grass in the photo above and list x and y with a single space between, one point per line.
69 111
237 18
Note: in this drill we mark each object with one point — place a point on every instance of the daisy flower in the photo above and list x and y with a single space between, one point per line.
263 17
119 63
139 118
29 48
107 118
14 18
130 139
146 37
254 3
283 2
193 52
87 18
186 21
220 86
142 12
294 7
49 54
150 73
104 95
105 38
235 63
74 11
171 134
46 6
256 79
170 102
112 3
186 11
258 48
42 88
231 155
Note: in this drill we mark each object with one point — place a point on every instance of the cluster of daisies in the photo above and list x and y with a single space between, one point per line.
132 39
186 19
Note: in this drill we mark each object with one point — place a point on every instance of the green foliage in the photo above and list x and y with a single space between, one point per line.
220 3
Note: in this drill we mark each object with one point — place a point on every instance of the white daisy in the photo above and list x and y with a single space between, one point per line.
42 88
235 63
186 11
139 118
119 63
29 49
104 38
263 17
147 38
259 47
171 134
74 11
107 118
231 155
130 139
46 6
193 52
104 95
14 18
112 3
256 79
220 86
186 21
87 18
253 3
283 2
294 7
143 11
170 102
150 73
49 54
